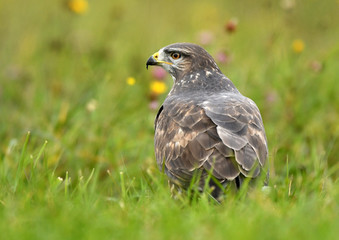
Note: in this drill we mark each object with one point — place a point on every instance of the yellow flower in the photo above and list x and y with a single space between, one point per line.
298 45
78 6
91 105
130 81
158 87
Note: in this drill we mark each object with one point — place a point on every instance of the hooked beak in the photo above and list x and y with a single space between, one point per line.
154 60
151 61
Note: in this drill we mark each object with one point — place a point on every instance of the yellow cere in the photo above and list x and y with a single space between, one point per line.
78 6
298 45
130 81
158 87
156 57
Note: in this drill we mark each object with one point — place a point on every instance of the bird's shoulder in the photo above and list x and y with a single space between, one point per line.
185 112
216 106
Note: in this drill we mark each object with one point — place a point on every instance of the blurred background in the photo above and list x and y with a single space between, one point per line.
73 73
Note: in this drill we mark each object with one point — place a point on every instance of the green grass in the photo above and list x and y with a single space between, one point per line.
70 172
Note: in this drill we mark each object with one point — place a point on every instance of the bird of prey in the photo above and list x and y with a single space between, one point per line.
205 125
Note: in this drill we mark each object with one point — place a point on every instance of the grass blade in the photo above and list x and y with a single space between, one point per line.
21 162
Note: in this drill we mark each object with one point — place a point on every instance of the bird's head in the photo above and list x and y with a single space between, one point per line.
180 59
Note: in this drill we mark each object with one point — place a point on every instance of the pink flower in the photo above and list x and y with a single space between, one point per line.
205 37
222 57
159 73
153 105
316 66
271 97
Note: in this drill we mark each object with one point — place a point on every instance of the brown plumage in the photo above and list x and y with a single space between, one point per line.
205 124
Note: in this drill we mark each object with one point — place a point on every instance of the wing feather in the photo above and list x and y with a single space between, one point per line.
246 157
231 139
240 127
206 141
222 167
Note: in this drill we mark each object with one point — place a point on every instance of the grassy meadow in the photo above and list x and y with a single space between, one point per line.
77 109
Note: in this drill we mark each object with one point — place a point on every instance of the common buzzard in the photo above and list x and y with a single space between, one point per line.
205 125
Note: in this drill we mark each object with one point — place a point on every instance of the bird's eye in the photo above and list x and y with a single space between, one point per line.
175 55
